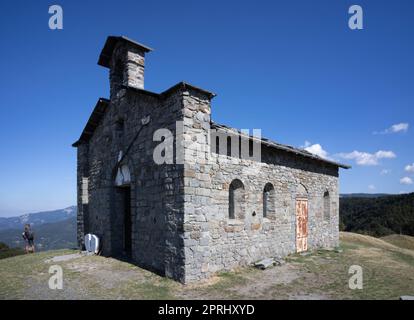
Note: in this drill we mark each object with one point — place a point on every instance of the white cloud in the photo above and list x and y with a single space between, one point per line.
395 128
400 127
316 149
409 168
385 154
406 180
367 159
371 187
385 172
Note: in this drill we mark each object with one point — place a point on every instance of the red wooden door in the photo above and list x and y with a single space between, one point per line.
301 225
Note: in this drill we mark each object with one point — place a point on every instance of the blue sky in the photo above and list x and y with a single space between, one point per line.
292 68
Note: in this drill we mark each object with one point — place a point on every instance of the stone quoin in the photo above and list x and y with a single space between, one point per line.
213 210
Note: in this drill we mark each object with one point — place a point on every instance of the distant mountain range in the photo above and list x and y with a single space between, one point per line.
363 195
52 229
38 218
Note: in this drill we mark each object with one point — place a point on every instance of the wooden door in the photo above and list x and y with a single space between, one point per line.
301 225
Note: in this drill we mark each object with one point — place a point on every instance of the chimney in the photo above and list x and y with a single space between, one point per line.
125 59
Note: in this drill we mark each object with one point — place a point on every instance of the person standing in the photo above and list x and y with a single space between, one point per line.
28 236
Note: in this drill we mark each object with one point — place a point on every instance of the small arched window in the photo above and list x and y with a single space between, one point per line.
268 200
326 205
119 125
229 146
217 144
236 199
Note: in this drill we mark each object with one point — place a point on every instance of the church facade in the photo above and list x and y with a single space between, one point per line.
181 195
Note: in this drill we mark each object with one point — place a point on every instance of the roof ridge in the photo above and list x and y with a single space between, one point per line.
285 147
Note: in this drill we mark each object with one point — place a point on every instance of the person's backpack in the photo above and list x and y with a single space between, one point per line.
29 235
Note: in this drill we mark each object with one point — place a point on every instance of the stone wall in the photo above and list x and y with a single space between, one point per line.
156 190
126 68
82 173
216 242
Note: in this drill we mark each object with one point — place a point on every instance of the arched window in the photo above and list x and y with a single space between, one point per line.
326 205
240 146
236 199
123 176
229 146
119 129
268 200
119 125
217 145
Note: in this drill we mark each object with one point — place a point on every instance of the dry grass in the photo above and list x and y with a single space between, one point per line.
388 272
402 241
361 239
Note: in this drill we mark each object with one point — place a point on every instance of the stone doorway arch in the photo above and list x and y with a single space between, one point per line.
121 222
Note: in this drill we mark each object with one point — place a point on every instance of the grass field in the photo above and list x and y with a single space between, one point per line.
387 264
402 241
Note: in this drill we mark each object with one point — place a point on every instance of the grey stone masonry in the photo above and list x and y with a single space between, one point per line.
125 59
207 209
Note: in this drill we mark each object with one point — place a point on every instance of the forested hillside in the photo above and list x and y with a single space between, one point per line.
378 216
